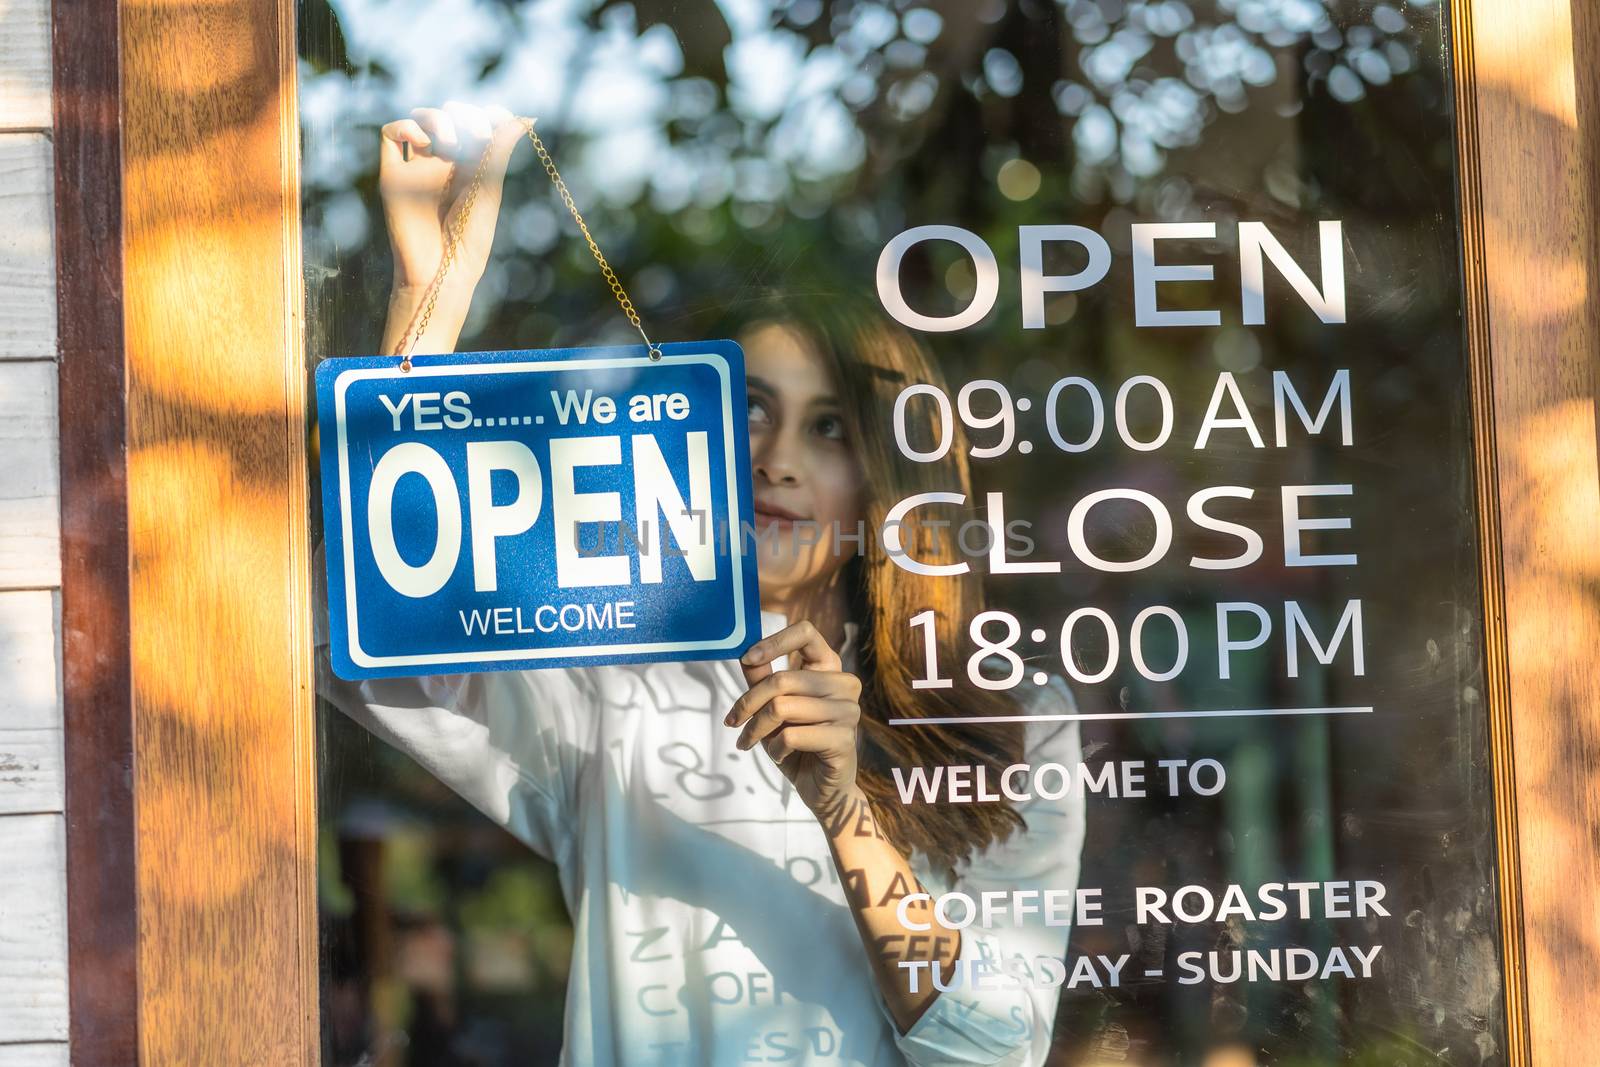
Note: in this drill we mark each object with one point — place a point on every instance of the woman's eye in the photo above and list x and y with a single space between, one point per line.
831 427
757 411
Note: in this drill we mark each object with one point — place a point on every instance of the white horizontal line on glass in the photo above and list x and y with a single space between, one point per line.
1222 713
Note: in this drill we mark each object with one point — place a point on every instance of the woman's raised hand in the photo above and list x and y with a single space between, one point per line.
422 197
805 716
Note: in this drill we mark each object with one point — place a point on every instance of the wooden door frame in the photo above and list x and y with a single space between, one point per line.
185 609
97 714
1528 124
185 628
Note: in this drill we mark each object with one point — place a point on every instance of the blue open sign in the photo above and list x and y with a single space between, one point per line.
512 510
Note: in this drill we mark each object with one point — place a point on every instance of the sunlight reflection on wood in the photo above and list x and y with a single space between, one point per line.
217 502
1536 123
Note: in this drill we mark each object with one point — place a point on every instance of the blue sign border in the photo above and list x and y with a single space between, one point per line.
333 379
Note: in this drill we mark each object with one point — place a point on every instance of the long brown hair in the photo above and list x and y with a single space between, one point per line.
872 361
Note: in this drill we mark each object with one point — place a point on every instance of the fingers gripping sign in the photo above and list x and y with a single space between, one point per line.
805 716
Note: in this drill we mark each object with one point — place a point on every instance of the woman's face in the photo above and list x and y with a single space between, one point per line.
808 485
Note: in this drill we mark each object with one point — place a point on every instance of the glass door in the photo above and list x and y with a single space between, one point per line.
1110 413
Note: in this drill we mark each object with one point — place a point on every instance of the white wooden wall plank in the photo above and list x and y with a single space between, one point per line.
33 944
30 705
33 929
30 699
25 64
45 1054
27 248
30 505
30 771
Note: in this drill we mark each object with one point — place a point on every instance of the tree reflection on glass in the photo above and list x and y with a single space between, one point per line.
764 118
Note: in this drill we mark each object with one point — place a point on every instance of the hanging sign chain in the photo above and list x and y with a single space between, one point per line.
458 227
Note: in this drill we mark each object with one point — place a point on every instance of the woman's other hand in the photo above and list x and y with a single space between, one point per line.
807 717
421 201
804 716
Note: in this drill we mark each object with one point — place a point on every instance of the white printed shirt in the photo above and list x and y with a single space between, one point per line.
709 923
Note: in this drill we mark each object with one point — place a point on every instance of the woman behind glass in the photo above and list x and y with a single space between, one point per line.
734 905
